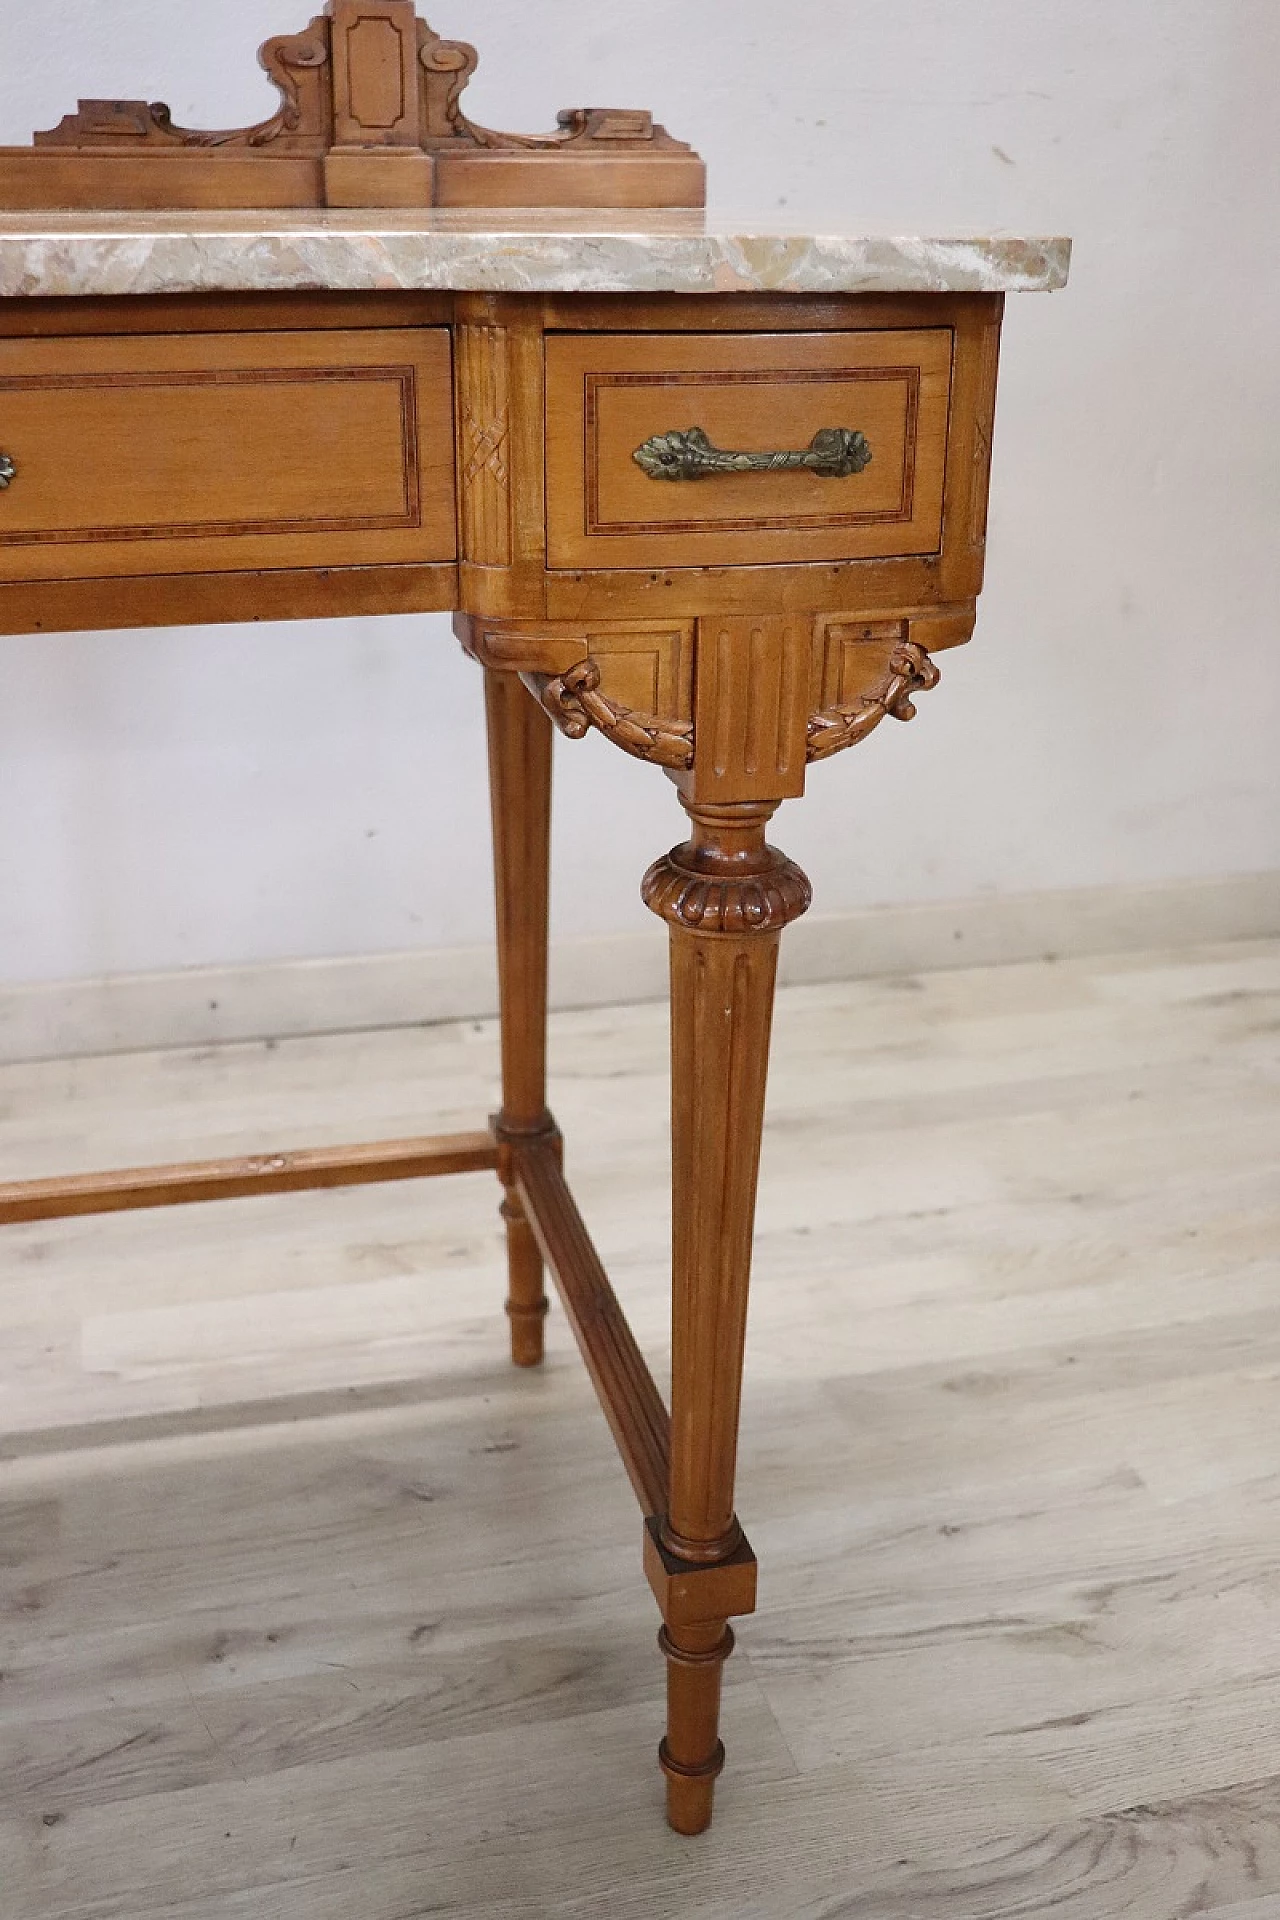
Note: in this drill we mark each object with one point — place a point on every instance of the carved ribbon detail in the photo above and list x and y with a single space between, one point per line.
911 671
575 703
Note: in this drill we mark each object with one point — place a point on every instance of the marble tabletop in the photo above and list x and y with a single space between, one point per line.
500 251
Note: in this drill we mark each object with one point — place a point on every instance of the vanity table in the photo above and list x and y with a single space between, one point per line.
716 491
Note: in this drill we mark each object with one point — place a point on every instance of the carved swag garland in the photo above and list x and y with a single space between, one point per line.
575 703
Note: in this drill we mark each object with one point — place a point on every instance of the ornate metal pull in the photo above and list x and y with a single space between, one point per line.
833 453
7 470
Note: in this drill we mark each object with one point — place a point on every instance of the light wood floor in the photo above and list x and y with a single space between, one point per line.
294 1619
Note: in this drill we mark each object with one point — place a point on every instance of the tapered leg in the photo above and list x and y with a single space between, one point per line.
726 896
520 790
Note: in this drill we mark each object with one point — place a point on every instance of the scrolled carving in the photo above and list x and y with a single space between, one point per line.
299 121
575 703
612 128
447 66
763 900
910 671
321 74
282 59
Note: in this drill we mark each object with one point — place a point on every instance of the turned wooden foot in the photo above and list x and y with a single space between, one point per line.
526 1301
692 1753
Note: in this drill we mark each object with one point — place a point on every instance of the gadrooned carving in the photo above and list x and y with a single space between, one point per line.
910 671
763 901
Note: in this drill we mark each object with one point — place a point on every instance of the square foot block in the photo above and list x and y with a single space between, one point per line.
687 1593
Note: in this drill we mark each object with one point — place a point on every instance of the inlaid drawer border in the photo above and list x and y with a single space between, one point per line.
405 376
754 376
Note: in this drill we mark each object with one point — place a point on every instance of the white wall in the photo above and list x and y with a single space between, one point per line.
236 794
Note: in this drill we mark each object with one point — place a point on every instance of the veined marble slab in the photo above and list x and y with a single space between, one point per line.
508 251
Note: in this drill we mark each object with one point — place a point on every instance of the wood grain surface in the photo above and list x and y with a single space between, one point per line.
195 452
312 1606
608 395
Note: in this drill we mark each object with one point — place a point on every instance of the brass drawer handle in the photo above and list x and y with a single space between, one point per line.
834 453
7 470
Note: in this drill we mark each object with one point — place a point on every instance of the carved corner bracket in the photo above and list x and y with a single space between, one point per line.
832 728
576 704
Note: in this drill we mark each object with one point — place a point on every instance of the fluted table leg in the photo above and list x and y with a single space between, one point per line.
520 790
726 896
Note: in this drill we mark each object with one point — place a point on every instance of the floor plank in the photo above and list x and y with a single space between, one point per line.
311 1607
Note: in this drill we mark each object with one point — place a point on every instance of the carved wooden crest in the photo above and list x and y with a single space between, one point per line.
370 115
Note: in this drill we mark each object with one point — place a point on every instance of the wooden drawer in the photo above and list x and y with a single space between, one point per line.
225 452
610 394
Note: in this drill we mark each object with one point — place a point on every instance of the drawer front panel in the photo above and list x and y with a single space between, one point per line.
225 452
609 395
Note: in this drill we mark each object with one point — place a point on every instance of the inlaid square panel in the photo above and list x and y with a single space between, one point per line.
764 396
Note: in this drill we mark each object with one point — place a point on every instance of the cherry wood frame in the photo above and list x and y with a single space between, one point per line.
732 680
